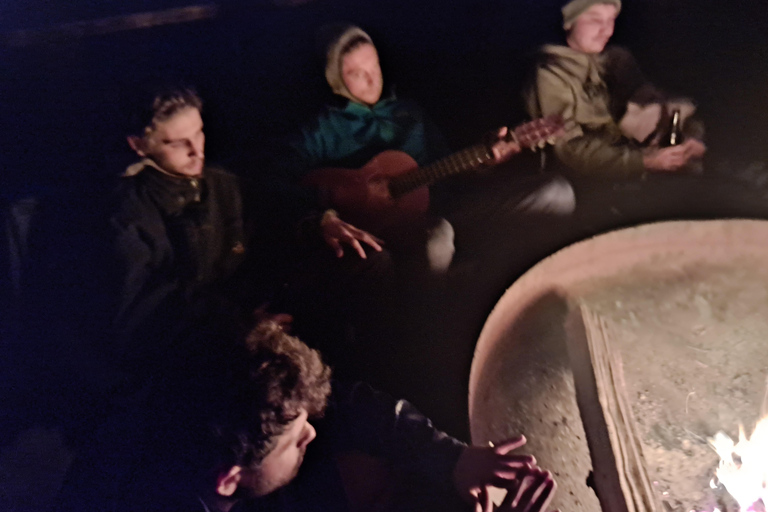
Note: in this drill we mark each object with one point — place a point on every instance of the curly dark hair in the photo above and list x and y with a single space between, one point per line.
279 377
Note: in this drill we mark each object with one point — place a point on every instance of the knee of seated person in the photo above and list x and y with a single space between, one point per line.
375 263
557 197
440 247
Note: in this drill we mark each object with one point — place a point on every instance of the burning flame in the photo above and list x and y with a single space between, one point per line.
743 468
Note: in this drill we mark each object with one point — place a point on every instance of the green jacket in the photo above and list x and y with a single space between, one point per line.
348 134
351 135
572 84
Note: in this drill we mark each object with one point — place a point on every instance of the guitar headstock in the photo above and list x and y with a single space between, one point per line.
540 132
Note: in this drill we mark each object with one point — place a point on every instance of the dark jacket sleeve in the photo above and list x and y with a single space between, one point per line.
374 423
140 245
146 298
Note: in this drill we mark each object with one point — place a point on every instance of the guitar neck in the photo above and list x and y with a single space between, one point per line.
528 135
469 159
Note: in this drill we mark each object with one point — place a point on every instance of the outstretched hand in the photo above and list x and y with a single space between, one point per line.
481 466
504 149
531 493
337 232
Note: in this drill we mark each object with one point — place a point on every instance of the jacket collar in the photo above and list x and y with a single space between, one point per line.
170 192
356 107
586 67
136 168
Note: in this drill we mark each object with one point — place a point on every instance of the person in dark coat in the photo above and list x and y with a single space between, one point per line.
182 252
364 119
271 431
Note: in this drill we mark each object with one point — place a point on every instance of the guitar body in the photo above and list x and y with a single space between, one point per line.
391 191
362 196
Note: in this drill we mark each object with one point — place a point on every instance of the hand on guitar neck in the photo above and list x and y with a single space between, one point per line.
505 147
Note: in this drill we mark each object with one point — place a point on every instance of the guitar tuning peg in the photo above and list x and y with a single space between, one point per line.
551 141
542 144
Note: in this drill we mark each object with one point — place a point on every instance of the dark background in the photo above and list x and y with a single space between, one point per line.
259 72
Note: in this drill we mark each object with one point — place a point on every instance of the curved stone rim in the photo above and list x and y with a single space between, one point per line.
605 255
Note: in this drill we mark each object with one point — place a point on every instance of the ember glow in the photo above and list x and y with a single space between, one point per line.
743 469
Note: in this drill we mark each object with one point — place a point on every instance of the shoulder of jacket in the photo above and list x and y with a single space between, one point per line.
129 189
554 70
225 183
328 115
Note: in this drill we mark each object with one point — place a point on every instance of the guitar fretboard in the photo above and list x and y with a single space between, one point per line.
529 135
469 159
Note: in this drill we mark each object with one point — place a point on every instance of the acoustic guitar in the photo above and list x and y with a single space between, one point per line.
391 189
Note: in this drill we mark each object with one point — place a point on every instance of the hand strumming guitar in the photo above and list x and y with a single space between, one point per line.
504 148
336 232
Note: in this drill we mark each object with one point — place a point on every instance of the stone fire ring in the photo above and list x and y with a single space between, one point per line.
521 382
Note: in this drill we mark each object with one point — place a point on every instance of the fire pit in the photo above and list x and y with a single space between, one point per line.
685 311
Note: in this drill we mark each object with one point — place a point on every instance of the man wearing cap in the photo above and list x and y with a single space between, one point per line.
578 81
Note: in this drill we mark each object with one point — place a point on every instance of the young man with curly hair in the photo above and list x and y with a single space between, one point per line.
280 439
366 118
259 426
259 430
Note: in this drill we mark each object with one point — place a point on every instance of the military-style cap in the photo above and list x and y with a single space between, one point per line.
576 8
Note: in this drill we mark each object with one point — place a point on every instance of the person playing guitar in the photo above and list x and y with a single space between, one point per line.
371 287
365 122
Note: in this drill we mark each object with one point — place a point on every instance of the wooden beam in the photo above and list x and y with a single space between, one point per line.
621 480
81 29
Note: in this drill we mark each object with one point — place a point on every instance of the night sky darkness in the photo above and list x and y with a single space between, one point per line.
260 75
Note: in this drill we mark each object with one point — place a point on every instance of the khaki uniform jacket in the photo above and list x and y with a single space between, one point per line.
570 83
